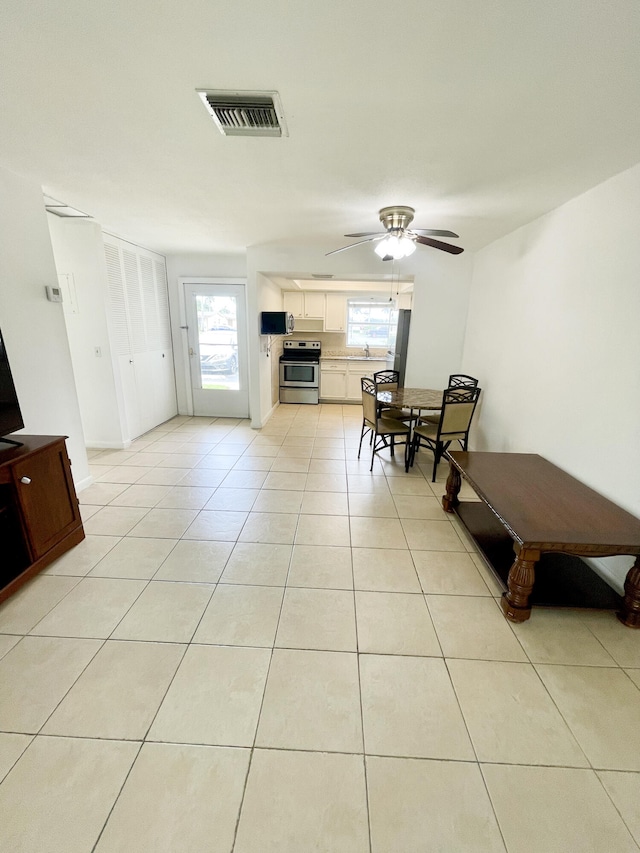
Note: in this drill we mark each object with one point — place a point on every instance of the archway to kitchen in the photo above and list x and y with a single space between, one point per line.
349 319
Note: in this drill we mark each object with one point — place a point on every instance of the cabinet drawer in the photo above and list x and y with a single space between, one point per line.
333 365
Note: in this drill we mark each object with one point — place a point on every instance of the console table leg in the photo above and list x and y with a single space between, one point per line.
630 613
515 602
454 481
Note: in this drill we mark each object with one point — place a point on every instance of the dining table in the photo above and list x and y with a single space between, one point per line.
415 399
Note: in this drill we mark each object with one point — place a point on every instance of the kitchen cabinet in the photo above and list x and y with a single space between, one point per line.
314 305
333 379
39 513
358 369
293 303
340 378
304 306
335 317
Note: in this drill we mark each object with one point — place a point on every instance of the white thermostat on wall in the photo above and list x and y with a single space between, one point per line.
54 294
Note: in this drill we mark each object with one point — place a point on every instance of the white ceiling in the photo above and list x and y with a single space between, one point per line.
480 114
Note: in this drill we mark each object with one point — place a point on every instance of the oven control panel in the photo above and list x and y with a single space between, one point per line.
302 346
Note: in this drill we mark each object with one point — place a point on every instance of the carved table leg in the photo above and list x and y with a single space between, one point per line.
630 613
515 602
454 481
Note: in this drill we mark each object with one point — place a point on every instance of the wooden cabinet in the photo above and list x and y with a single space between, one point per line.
358 369
314 305
293 303
335 317
340 378
333 380
39 513
304 306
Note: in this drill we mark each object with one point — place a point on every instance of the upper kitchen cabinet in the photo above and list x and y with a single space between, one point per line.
293 303
304 306
314 305
335 318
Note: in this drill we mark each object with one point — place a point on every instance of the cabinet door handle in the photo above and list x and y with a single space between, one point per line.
25 480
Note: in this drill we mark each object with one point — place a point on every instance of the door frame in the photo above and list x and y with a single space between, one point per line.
184 339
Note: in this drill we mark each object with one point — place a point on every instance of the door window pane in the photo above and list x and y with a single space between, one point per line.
218 342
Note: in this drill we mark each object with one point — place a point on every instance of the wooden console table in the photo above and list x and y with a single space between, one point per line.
541 510
39 513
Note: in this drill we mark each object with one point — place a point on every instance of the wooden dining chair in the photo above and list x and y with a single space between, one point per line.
458 406
384 431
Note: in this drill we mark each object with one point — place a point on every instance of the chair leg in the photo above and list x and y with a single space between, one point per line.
414 447
373 452
361 437
436 459
393 447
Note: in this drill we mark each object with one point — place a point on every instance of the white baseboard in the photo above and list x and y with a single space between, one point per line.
257 424
108 445
84 483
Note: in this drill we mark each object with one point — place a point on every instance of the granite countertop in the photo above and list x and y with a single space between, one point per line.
341 356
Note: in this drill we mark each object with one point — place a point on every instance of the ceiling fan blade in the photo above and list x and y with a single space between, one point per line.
370 234
438 244
351 245
430 232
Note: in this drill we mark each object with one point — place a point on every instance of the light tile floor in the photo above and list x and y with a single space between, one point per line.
261 647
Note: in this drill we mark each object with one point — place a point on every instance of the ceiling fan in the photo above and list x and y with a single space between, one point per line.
399 241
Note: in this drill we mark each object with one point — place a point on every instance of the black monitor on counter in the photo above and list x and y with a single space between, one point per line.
10 414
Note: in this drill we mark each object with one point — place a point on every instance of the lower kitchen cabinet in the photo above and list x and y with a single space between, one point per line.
340 378
333 380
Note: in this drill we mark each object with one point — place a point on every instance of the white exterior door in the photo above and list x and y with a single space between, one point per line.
217 341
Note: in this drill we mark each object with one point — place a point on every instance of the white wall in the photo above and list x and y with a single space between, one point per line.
34 328
79 251
196 266
553 336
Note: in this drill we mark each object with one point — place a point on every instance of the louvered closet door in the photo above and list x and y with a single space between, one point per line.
121 345
147 374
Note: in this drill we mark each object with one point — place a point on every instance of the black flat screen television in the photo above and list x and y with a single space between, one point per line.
10 415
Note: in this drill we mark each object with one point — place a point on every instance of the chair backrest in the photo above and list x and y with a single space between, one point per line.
457 380
369 401
458 406
387 380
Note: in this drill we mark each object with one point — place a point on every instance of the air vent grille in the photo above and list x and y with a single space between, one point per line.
245 113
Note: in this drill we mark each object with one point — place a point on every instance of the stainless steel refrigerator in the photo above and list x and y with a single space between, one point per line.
397 358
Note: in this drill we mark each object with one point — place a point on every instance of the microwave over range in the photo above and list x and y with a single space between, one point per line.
276 323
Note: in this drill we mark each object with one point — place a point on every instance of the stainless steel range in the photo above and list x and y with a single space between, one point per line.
300 372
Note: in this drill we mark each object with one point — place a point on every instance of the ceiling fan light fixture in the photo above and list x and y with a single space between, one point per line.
395 247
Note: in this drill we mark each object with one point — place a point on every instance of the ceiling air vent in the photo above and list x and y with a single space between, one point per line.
245 113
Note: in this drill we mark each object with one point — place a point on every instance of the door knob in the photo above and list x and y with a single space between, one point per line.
25 480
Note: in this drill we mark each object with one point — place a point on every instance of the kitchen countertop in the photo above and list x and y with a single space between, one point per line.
353 358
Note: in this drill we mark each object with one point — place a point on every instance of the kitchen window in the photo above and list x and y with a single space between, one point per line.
370 322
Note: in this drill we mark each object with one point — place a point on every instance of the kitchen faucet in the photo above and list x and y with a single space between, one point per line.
366 350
